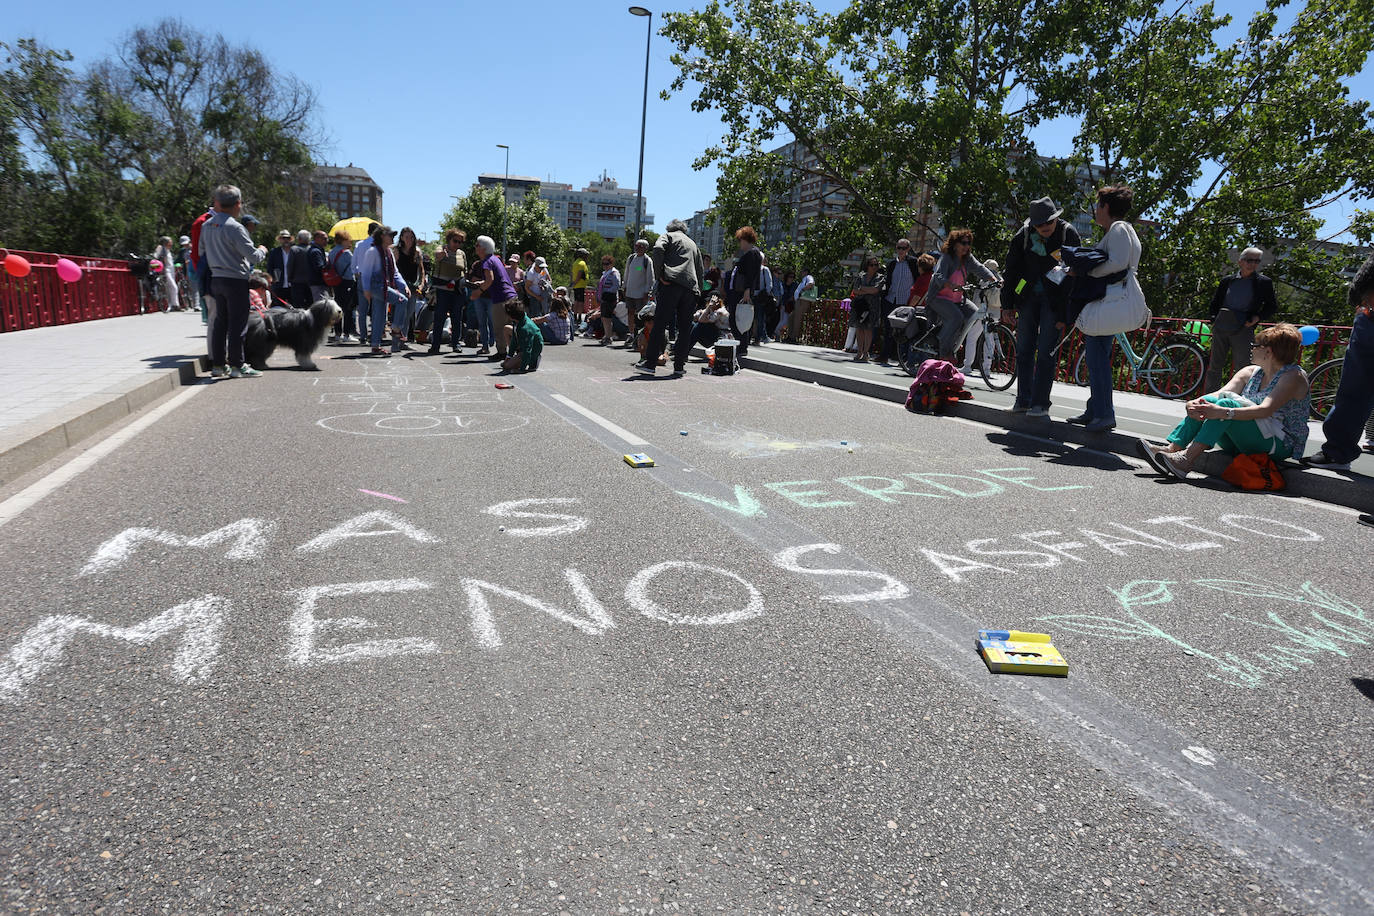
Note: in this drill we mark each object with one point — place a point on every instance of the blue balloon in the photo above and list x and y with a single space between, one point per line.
1309 335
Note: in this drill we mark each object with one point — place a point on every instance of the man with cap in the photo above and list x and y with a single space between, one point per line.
1241 301
298 270
538 286
183 261
1041 304
639 284
279 267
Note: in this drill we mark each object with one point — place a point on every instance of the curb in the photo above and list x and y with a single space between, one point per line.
26 446
1343 489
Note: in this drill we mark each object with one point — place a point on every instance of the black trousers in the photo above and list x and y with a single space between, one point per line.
676 304
300 295
231 320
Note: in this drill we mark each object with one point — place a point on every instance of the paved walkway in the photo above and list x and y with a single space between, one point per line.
63 384
46 369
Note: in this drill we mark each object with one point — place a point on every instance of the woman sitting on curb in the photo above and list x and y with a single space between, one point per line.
1263 409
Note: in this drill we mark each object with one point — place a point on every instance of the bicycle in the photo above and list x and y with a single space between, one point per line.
998 371
1174 365
923 336
1322 383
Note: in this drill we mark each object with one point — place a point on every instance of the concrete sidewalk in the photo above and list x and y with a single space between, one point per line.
1136 415
62 384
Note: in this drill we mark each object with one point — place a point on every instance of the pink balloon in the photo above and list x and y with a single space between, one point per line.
17 266
68 270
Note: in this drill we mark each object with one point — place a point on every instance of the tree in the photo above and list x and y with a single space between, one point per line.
132 148
528 224
1223 144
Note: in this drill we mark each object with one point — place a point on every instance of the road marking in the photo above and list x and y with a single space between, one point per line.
601 421
17 504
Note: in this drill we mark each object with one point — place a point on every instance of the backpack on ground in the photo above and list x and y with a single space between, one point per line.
1254 472
938 384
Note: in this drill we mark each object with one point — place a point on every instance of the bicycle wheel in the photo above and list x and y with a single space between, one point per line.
1176 370
1000 371
1080 370
1323 382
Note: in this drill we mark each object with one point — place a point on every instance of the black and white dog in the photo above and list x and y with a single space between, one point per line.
300 330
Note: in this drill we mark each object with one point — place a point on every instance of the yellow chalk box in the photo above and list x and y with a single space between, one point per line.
1016 652
639 461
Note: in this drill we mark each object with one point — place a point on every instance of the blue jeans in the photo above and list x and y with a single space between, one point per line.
484 330
1036 361
1355 396
406 307
378 312
364 309
1098 352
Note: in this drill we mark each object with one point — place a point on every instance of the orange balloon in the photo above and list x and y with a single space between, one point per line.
17 266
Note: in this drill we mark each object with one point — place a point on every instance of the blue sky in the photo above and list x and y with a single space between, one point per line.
432 87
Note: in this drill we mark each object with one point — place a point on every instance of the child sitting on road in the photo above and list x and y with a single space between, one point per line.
555 326
527 341
709 324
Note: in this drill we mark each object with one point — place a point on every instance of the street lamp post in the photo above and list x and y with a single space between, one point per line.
643 117
504 181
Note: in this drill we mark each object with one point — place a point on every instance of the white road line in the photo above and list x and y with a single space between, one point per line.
601 421
15 506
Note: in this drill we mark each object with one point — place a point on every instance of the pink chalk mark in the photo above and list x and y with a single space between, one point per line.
382 495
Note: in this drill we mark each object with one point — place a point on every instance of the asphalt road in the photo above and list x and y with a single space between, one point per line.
386 639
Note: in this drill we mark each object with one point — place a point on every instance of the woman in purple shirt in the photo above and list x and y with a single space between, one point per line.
496 288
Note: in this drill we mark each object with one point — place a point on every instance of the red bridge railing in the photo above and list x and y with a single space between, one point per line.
106 290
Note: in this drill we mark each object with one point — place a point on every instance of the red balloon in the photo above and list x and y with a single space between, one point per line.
17 266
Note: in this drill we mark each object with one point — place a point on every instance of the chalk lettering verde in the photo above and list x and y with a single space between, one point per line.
804 498
988 487
1003 475
881 493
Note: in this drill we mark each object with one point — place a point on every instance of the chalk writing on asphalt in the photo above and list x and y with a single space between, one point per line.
320 625
401 405
1316 622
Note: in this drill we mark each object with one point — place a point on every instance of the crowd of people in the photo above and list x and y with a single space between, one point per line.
390 291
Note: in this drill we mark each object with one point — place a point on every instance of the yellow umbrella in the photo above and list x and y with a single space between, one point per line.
355 226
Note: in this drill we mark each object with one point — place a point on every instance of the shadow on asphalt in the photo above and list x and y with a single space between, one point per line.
164 362
1365 686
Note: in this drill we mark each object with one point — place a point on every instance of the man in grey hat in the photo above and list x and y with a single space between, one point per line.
679 272
1241 301
1041 305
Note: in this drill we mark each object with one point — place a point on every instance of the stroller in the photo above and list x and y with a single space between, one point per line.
917 331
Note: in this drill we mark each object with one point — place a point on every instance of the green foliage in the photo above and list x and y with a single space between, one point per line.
132 148
1225 143
527 222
